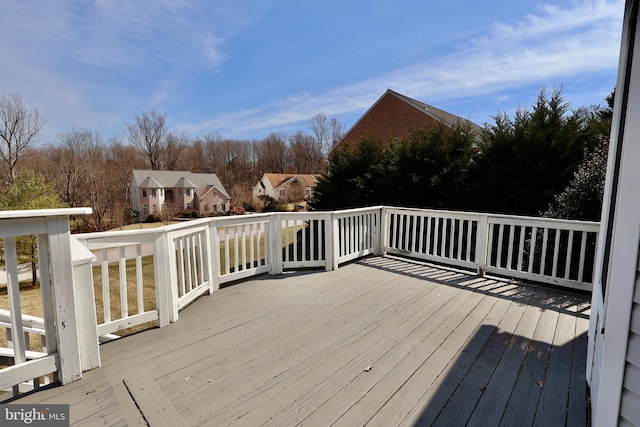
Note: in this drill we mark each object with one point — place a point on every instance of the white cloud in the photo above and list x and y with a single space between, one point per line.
556 44
213 51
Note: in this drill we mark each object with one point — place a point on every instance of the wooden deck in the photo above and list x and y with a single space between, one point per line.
379 342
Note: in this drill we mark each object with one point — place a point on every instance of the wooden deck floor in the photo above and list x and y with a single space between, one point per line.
379 342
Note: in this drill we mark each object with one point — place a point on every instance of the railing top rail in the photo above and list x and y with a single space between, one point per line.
438 212
37 213
347 212
127 235
493 216
305 215
552 222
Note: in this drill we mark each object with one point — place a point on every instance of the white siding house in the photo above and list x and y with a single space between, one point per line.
613 364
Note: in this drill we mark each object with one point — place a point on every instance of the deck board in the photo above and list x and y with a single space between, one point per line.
444 346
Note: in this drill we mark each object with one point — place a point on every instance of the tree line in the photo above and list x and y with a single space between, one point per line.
82 169
550 160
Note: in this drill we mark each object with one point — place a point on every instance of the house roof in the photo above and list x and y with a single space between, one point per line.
438 114
178 179
277 179
429 111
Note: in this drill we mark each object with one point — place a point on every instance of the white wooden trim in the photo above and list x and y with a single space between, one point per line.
626 236
128 322
27 371
44 213
65 306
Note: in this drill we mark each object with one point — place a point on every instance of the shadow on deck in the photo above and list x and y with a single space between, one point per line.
381 341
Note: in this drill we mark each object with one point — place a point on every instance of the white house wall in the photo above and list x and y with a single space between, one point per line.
615 377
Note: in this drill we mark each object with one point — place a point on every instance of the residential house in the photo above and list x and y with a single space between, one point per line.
151 191
395 115
613 361
286 187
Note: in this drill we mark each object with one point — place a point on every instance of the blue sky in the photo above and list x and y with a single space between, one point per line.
246 68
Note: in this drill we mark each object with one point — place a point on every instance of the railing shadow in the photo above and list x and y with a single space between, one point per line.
560 300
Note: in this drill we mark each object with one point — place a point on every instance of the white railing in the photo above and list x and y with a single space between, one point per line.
357 233
441 236
119 303
303 238
545 250
47 233
145 277
243 246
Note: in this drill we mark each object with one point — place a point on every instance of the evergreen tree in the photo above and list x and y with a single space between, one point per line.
429 168
524 161
582 198
355 178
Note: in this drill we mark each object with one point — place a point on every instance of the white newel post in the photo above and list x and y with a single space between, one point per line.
167 306
332 242
275 243
383 226
482 242
213 260
64 300
82 259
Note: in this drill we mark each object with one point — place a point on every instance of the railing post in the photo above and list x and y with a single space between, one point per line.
482 242
213 260
332 251
275 243
64 298
382 228
85 302
167 311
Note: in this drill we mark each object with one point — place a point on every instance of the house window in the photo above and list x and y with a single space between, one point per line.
187 192
168 194
283 192
179 192
224 207
179 206
144 193
145 210
188 205
307 192
154 209
215 208
153 193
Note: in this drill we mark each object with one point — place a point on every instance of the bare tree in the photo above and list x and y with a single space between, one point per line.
326 132
319 125
19 127
174 145
271 153
304 154
148 133
337 131
67 164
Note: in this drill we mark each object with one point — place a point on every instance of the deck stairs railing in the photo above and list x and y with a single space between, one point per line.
95 285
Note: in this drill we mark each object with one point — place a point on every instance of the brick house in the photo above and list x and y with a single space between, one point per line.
286 187
395 115
152 190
